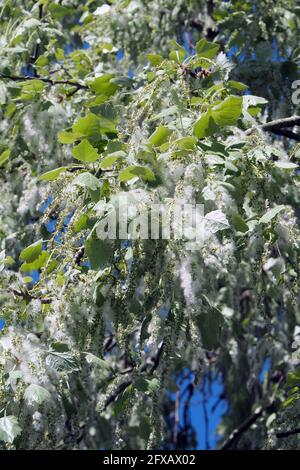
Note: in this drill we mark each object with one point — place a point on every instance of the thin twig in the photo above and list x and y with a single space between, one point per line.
27 296
176 420
187 405
20 78
205 414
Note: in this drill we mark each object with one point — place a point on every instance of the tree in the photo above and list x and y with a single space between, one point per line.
102 102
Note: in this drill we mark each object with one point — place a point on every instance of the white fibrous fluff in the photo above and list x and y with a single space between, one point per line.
187 281
219 256
26 352
30 198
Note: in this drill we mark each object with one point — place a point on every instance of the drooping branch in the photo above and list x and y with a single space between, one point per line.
124 385
50 81
120 389
237 433
279 127
155 359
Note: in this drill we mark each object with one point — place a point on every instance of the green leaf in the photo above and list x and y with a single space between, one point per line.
178 55
239 224
186 143
293 378
92 359
37 264
205 126
122 401
4 156
153 385
252 100
103 85
107 126
9 429
228 112
87 126
144 327
270 214
32 86
289 401
276 266
144 385
62 362
42 61
154 59
210 324
216 221
110 160
59 54
85 152
136 171
98 296
286 165
159 136
68 137
8 260
237 85
207 49
81 223
214 159
36 395
53 174
59 347
230 166
59 11
87 180
99 252
31 252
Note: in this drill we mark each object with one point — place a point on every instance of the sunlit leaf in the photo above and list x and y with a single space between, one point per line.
85 152
9 429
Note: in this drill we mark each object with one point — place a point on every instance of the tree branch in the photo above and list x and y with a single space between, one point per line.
28 297
176 418
124 385
279 126
21 78
121 388
280 123
237 433
288 433
37 46
286 133
206 419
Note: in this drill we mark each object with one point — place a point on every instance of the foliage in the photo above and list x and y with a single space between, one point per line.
97 332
